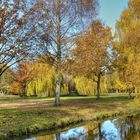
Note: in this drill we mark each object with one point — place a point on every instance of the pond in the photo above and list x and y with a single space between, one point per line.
127 128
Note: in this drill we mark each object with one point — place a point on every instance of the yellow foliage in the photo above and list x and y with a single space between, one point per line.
85 86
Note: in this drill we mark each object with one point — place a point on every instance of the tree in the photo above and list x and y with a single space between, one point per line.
15 32
128 46
56 31
42 85
91 56
5 81
24 75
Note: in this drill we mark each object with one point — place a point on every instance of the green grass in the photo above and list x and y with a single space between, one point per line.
23 121
17 99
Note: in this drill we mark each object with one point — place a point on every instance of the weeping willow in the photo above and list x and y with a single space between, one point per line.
85 86
44 82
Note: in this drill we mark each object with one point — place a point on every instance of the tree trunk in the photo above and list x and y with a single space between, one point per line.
100 132
48 92
58 137
69 89
129 93
98 86
58 90
23 94
58 65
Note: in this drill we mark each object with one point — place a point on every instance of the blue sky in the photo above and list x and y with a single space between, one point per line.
110 11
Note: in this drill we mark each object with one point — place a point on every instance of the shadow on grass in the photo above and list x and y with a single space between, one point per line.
104 99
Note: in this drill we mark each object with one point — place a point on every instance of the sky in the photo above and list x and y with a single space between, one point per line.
110 11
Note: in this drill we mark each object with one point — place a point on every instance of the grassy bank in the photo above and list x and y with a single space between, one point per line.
23 121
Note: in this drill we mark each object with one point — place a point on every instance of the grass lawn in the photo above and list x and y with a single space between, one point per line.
26 116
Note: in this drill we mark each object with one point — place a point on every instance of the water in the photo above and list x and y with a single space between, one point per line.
127 128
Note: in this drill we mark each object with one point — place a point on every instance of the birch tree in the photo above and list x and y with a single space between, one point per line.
55 32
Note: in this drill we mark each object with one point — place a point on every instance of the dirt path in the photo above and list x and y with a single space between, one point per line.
41 104
26 105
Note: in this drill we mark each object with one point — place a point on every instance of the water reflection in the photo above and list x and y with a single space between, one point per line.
110 131
117 129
